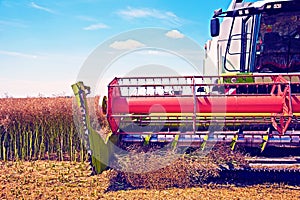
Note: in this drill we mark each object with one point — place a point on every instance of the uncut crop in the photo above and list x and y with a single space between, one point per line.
39 128
45 129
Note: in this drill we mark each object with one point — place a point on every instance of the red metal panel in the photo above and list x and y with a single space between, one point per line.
142 97
296 104
231 104
112 92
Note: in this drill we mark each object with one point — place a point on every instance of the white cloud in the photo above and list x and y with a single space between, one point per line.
34 5
18 54
13 23
175 34
154 53
127 45
168 16
138 13
94 27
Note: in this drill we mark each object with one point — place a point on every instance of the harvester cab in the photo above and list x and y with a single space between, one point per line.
259 37
249 94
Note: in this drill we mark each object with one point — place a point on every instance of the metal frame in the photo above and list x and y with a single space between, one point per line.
199 123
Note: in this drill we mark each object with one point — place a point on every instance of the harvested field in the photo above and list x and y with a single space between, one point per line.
41 149
71 180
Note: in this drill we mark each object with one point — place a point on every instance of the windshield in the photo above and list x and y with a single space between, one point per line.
278 45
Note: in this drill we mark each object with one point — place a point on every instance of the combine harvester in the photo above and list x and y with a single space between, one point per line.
254 101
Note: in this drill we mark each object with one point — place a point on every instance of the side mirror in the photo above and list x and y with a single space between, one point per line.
214 27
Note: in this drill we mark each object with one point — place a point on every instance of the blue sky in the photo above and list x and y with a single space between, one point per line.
44 43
